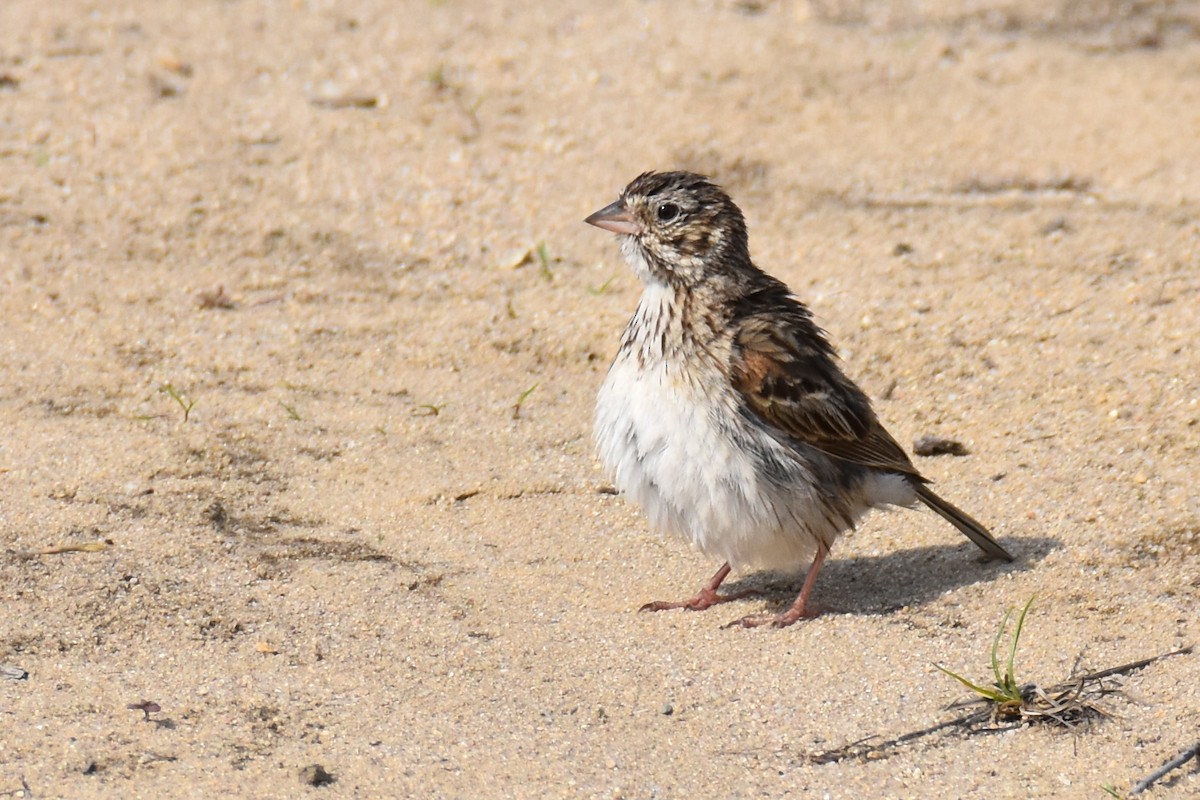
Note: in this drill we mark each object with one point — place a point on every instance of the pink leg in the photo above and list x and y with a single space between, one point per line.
705 597
799 608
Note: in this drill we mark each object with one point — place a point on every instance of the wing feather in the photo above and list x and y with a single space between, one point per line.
787 372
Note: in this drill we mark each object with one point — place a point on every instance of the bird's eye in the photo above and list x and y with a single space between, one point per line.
667 212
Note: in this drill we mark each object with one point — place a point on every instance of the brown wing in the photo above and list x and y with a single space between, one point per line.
786 371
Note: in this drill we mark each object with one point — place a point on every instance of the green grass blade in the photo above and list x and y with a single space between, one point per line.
1010 677
996 647
982 691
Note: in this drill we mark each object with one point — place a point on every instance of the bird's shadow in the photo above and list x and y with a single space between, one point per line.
882 584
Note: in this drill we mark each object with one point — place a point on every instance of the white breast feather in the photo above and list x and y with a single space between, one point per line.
692 479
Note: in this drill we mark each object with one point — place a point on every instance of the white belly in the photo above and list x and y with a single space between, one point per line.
694 478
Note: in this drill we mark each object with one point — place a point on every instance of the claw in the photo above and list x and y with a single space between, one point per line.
800 609
789 617
705 598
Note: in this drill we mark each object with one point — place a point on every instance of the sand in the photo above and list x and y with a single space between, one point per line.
300 332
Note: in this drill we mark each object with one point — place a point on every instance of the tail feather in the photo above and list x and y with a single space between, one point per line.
960 519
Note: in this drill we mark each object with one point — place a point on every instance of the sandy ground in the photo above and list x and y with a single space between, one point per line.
380 542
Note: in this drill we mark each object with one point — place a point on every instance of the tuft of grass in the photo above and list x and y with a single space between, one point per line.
543 257
602 288
1066 704
1006 693
291 411
429 409
520 400
184 403
437 78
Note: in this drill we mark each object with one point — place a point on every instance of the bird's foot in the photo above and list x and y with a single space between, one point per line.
705 598
792 615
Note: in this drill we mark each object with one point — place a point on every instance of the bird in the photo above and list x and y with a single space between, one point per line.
725 413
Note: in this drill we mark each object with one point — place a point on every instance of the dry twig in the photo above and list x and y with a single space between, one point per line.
1065 704
1174 764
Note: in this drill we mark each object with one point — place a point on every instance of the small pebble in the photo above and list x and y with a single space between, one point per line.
930 445
315 775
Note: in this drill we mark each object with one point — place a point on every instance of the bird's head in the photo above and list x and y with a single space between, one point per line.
677 228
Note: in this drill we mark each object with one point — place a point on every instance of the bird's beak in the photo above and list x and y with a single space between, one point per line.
616 218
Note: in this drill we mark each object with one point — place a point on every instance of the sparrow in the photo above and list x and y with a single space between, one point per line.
725 414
